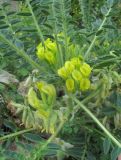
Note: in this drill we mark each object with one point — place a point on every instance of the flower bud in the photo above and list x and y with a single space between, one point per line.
63 73
50 57
33 100
69 67
76 75
70 84
84 84
85 69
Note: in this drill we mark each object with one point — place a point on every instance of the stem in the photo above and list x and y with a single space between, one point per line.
35 21
107 61
84 153
87 54
93 94
98 122
20 52
15 134
60 58
64 26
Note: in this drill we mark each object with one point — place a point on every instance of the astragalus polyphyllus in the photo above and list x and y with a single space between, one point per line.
76 74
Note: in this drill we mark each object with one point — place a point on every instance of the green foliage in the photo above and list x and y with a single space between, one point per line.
85 11
77 28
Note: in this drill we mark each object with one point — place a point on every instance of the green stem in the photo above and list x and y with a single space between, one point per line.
60 57
84 153
15 134
93 94
98 122
20 52
35 21
87 54
64 26
115 59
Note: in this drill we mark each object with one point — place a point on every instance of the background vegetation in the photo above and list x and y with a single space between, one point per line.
93 30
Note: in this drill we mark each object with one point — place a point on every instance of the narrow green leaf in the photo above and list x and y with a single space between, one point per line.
115 153
99 32
4 26
14 21
6 4
2 22
11 13
118 101
33 137
2 17
10 125
19 44
24 14
109 26
106 145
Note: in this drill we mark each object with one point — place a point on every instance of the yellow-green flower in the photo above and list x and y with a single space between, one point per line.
42 113
70 84
84 84
40 85
85 69
75 61
62 72
41 52
50 57
33 100
76 72
69 67
48 51
49 89
39 46
50 45
77 75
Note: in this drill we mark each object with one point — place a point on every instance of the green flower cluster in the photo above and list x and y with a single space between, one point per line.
76 74
43 106
47 52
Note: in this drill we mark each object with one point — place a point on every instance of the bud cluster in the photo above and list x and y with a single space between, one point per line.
76 74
